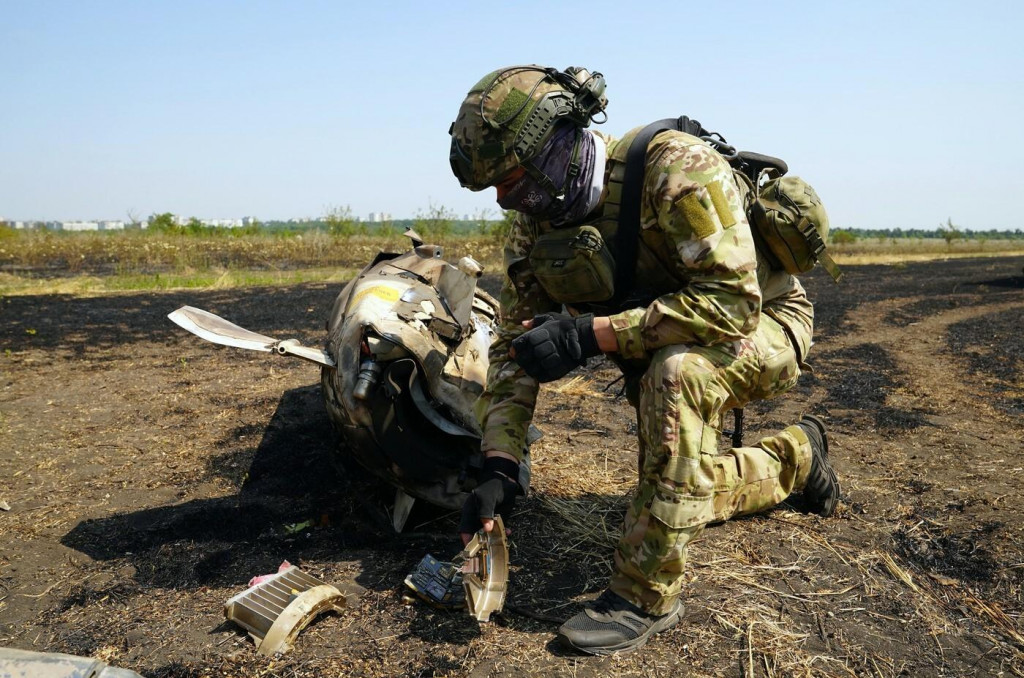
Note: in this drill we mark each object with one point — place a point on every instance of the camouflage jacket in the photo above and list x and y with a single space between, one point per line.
693 227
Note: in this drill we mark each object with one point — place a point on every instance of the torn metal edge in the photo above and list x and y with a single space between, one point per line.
485 571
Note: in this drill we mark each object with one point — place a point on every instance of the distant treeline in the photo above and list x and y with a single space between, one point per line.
944 232
440 221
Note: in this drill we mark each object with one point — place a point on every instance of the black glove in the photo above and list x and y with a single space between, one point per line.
494 494
555 345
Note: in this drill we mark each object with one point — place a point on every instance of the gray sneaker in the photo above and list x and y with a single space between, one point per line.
821 494
612 624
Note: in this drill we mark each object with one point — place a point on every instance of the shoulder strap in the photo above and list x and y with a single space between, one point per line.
628 233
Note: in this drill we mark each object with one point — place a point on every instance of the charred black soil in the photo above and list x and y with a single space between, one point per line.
150 475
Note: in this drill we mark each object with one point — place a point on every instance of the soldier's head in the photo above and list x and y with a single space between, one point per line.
520 130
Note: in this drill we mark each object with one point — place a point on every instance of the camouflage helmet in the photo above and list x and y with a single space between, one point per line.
507 117
792 222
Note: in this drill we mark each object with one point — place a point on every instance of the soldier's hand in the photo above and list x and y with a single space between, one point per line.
495 494
555 345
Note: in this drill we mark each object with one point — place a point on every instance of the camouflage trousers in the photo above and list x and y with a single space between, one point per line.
685 481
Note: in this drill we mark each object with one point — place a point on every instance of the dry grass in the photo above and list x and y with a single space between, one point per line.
144 260
778 594
93 285
891 251
37 262
48 254
783 594
752 596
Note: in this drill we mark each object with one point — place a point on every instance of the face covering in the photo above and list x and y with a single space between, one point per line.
529 197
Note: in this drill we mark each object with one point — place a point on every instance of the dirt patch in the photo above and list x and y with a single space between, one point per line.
993 346
151 475
869 375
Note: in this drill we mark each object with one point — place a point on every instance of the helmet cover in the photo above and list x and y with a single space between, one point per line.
510 114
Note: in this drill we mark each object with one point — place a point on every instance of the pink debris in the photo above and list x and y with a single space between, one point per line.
259 579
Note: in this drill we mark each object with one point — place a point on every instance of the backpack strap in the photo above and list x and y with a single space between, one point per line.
628 233
817 246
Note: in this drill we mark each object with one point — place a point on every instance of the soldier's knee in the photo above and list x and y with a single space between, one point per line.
681 372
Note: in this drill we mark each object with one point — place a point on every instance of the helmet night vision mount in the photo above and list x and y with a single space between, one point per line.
510 114
582 99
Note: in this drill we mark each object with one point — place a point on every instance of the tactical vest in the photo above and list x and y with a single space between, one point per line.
576 265
657 269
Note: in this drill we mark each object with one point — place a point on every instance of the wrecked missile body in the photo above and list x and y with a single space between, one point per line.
410 335
404 361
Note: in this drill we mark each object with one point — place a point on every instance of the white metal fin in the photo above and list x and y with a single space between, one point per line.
215 329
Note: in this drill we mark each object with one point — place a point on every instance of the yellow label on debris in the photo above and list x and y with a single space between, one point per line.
389 294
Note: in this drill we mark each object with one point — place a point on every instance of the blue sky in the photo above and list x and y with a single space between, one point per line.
899 113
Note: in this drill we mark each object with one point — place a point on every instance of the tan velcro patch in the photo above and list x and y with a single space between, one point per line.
696 215
721 204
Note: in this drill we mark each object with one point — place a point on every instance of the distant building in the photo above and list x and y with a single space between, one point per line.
101 225
79 225
222 223
379 217
212 223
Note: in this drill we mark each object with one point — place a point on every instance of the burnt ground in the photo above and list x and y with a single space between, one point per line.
150 475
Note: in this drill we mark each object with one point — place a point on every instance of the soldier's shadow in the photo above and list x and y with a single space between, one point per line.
295 501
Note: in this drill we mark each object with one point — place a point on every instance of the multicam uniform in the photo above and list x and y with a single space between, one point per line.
721 331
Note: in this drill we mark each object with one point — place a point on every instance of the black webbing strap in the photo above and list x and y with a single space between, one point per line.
627 238
737 429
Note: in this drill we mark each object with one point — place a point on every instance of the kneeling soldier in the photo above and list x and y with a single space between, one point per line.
706 326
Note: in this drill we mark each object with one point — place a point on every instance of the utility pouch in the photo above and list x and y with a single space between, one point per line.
574 265
788 218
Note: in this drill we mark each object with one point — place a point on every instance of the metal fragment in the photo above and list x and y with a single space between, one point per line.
437 583
275 611
27 664
485 571
215 329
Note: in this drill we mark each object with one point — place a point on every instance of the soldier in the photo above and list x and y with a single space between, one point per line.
708 326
